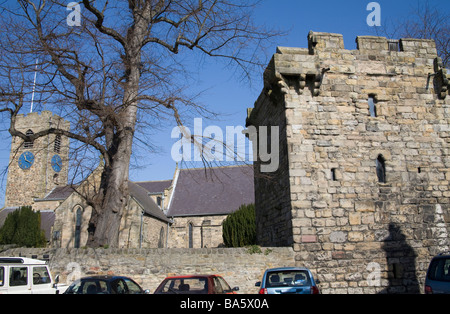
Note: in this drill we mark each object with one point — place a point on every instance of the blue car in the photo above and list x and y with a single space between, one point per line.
288 280
438 275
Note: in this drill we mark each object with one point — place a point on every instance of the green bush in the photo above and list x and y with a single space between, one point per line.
239 228
23 228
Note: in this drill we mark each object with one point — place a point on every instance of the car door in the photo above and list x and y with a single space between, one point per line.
41 280
19 282
3 283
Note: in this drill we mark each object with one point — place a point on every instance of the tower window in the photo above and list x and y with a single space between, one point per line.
394 45
28 144
381 169
372 106
57 147
159 201
333 174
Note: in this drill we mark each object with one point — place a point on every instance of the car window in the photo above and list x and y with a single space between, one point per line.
18 276
217 286
133 288
291 278
224 284
118 287
185 286
2 276
88 287
440 269
40 275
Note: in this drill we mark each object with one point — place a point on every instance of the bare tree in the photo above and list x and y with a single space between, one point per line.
119 71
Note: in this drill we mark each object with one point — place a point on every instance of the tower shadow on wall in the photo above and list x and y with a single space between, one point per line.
401 261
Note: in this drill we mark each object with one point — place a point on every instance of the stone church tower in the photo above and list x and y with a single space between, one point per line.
35 168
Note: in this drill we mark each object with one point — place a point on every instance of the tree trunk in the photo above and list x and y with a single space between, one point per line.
112 199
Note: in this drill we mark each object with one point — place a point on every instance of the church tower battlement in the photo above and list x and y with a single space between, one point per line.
36 168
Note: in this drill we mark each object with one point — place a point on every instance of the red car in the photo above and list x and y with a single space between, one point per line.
197 284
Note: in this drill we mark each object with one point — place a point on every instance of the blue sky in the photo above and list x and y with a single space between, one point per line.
231 96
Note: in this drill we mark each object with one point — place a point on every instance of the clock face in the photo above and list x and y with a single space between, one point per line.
57 163
26 160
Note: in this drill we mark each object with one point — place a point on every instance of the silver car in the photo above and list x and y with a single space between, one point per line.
288 280
438 275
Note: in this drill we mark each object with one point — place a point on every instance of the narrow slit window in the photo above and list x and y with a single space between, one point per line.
57 148
333 174
372 106
381 169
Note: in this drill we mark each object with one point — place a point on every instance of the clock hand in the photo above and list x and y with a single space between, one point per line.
26 159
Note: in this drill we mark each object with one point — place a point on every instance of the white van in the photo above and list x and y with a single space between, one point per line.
20 275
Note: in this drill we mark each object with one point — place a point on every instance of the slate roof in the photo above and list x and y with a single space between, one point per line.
59 193
155 186
212 191
147 203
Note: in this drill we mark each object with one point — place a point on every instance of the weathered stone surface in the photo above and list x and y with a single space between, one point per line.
327 185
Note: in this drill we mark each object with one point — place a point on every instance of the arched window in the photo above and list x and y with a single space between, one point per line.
381 169
78 221
28 144
191 235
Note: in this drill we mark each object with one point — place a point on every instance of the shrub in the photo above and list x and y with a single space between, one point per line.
239 228
23 228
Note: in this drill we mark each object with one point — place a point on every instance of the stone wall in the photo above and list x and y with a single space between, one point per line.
348 223
149 267
206 231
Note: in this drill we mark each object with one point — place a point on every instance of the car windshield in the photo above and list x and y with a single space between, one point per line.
289 278
91 286
440 269
185 286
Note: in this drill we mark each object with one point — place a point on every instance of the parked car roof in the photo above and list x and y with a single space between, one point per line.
287 268
21 260
193 276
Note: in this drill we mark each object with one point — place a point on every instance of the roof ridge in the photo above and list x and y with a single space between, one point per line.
220 167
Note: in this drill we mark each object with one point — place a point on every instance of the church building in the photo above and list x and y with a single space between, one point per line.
184 212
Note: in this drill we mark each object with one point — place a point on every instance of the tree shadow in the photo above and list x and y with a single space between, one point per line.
401 261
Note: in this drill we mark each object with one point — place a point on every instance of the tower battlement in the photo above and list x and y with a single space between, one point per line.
37 121
376 59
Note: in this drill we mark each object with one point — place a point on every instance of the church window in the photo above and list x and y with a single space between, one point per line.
191 235
161 238
381 169
57 147
79 216
159 201
28 144
372 106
